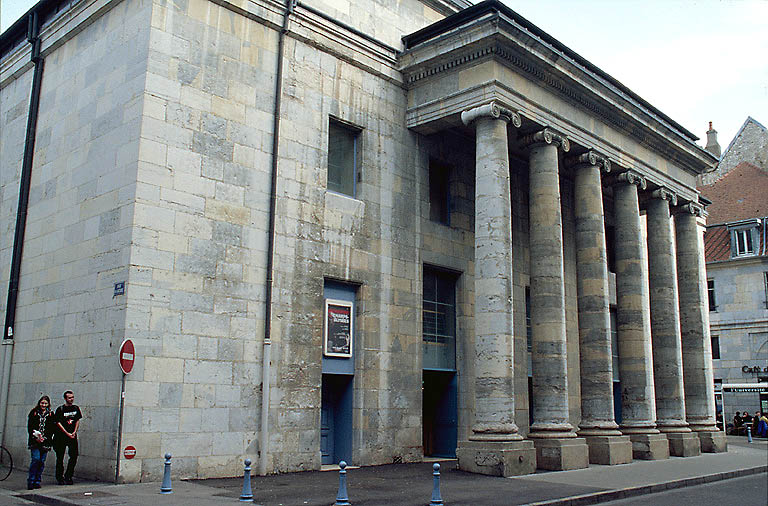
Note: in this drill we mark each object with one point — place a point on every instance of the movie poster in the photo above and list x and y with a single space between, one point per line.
338 328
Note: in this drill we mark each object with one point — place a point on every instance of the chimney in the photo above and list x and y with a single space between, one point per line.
712 145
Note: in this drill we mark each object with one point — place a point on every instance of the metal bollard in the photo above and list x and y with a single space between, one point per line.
436 499
341 497
247 494
165 487
749 433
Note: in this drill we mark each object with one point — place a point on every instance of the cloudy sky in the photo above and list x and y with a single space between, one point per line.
695 60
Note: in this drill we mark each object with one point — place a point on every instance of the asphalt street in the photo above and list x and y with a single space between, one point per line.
745 491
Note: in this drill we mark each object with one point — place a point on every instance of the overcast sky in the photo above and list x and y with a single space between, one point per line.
695 60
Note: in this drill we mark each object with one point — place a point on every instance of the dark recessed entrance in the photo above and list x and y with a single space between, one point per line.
439 413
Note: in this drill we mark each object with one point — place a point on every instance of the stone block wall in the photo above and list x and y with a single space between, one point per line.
78 234
741 323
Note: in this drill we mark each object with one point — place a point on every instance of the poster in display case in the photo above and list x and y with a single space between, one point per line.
337 335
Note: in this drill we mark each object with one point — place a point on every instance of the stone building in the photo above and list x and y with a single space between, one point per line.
737 268
334 229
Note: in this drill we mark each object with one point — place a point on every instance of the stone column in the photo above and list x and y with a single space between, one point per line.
638 406
694 329
557 447
665 328
606 443
494 447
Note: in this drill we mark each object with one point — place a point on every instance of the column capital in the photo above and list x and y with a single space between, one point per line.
590 159
664 193
633 177
691 208
491 110
546 136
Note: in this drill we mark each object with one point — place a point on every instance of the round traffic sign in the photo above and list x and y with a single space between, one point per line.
129 452
127 355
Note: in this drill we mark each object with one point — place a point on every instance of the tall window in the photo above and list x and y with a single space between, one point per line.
528 328
711 294
765 284
439 319
343 158
439 195
743 242
715 347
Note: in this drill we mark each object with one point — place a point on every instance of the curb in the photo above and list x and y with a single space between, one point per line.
578 500
624 493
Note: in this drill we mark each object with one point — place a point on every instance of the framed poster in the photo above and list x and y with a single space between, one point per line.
337 335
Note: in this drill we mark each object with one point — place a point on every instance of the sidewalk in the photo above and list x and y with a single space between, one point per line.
411 485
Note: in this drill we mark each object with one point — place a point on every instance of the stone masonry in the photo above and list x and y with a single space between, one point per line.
153 164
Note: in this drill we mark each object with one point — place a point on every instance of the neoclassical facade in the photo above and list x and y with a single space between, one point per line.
370 231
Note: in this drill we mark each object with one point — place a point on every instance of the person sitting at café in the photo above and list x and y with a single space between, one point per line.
738 423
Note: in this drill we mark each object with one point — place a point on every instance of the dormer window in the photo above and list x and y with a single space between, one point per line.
743 242
744 237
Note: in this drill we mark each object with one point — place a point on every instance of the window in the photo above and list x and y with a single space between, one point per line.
743 242
439 194
342 158
528 329
439 319
610 247
614 345
765 284
715 347
711 294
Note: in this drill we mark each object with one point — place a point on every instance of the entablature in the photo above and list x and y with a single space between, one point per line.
496 55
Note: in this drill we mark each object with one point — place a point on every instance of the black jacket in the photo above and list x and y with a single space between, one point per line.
33 424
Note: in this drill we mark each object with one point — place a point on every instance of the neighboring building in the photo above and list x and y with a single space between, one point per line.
737 267
440 177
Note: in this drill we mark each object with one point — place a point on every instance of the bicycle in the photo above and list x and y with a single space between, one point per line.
6 463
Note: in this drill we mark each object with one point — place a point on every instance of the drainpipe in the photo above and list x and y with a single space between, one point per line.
266 355
33 37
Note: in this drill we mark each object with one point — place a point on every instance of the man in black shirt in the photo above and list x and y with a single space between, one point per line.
67 420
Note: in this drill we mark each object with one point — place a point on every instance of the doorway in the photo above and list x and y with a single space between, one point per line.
336 418
439 413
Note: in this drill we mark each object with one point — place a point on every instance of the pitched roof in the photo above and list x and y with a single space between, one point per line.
717 243
740 194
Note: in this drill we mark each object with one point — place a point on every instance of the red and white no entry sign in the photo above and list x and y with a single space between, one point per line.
127 355
129 452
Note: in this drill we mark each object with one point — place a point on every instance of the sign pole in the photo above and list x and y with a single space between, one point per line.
126 357
120 429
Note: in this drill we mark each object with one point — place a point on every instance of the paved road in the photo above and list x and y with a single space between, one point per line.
746 491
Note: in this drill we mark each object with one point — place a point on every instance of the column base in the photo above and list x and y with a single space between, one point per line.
712 441
609 450
683 444
497 458
649 446
561 454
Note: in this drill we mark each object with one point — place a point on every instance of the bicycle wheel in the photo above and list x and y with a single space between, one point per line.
6 463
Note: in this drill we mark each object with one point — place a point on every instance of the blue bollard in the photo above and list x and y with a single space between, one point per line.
341 497
436 499
165 487
749 433
247 494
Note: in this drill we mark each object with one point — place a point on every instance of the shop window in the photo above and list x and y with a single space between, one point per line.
343 157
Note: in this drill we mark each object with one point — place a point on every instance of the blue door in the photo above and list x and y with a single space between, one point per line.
336 418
